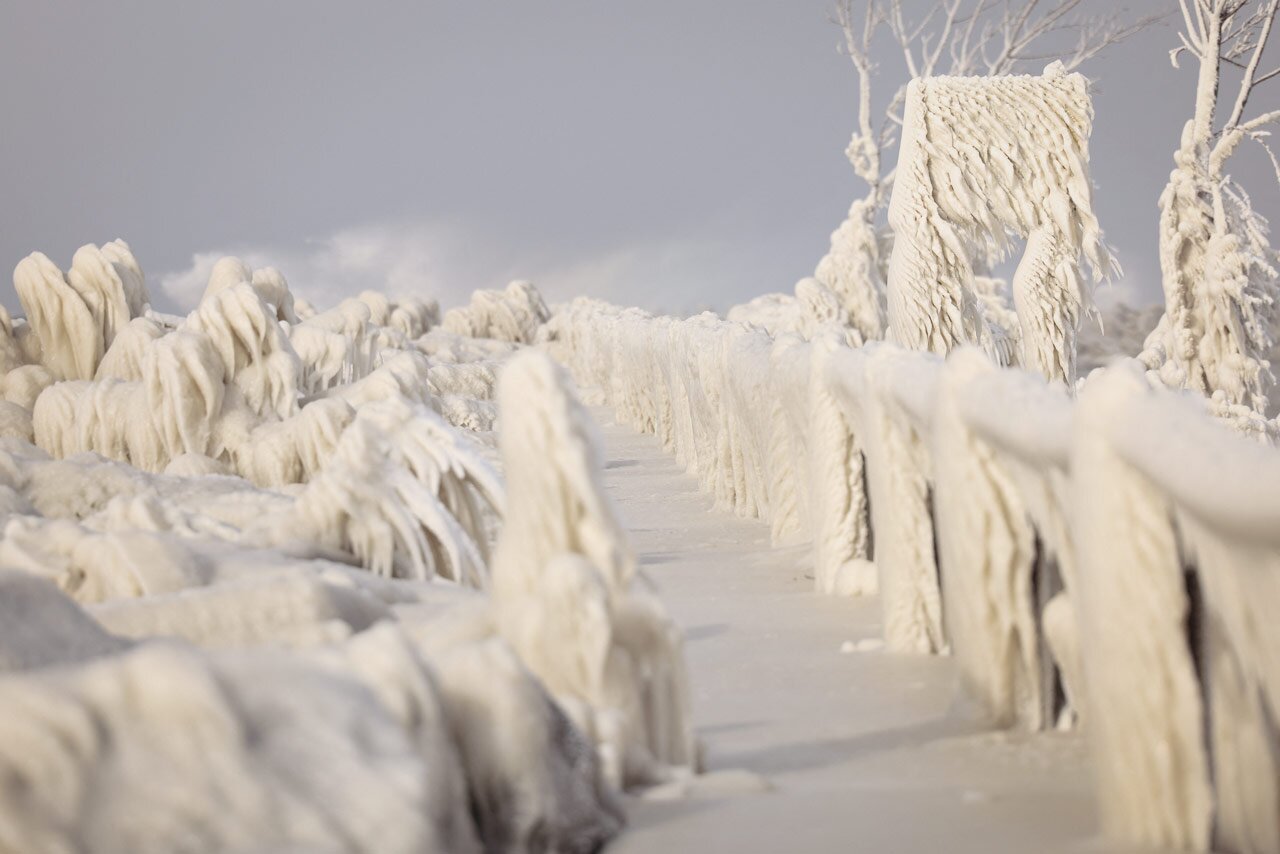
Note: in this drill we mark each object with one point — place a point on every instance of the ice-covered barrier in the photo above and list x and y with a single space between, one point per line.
567 592
400 738
512 314
246 597
1178 532
1108 562
357 406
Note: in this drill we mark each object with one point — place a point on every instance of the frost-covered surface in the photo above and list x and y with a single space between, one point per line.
1220 281
1221 276
854 268
1047 545
892 430
729 401
266 587
1194 546
512 314
813 310
981 158
566 587
340 439
855 744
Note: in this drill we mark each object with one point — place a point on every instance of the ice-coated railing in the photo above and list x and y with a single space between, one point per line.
1110 561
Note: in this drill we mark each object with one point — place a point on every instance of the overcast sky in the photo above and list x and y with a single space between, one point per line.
667 153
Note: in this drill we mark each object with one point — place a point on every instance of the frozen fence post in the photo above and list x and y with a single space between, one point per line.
987 551
1180 567
564 585
1146 726
1001 449
872 381
837 474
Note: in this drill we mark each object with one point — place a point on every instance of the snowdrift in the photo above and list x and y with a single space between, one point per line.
1106 561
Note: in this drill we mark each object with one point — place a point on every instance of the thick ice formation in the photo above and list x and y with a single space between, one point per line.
813 309
1220 274
512 314
1074 573
885 393
403 492
980 157
730 402
566 591
395 743
996 586
75 317
1220 280
854 269
395 487
1182 758
837 471
276 536
290 518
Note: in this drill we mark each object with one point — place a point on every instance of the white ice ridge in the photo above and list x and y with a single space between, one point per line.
1107 563
259 595
983 158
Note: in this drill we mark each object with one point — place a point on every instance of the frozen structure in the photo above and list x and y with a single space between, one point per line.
1217 266
855 266
980 158
1220 279
512 314
813 310
566 590
348 415
275 536
958 38
1045 543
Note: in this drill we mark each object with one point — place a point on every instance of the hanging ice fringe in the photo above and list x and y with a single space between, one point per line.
983 158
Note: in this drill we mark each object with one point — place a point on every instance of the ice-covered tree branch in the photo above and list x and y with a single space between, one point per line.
1218 269
1250 74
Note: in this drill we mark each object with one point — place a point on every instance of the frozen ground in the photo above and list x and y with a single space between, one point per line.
863 750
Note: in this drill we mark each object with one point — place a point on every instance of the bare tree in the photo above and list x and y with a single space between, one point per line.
957 37
1218 269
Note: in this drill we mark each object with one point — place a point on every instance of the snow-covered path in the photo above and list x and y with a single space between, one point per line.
864 750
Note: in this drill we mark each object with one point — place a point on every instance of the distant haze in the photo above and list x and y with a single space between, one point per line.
669 154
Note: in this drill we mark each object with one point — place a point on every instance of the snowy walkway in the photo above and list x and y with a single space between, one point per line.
865 751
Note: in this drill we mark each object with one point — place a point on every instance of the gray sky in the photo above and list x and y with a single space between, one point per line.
667 153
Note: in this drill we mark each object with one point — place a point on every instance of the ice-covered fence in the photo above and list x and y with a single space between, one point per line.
884 392
1078 559
1001 442
1177 529
728 401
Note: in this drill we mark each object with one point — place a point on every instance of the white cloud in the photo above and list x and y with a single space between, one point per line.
677 277
401 259
428 259
1132 290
